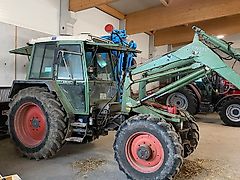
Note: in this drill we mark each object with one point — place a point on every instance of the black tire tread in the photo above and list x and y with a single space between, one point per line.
178 158
189 134
222 113
58 123
195 104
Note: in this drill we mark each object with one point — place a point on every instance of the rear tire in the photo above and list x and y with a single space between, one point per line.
37 123
146 148
183 99
229 111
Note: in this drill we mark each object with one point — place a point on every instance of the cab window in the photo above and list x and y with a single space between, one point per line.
99 64
42 62
70 62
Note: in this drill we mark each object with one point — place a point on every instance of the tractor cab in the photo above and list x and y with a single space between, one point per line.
76 67
80 71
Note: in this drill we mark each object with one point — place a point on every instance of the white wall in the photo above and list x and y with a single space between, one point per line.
39 15
236 40
21 21
160 50
93 21
7 64
142 41
14 67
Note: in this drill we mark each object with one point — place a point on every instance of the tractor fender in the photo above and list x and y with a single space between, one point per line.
18 85
196 91
218 104
50 85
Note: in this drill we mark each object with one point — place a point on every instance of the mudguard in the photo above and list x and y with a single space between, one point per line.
18 85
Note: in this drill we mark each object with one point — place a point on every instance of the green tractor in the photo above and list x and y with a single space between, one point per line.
71 94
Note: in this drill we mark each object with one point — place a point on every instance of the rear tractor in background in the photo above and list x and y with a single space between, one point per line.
210 94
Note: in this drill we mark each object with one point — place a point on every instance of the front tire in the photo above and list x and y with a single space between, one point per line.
230 111
189 134
37 123
146 148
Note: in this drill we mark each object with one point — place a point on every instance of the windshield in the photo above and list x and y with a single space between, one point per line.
70 62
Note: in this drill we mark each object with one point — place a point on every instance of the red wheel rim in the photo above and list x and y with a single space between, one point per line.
30 124
144 152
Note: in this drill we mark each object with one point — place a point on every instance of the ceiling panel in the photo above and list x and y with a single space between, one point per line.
130 6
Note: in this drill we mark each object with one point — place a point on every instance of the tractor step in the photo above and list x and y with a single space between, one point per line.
74 139
78 124
79 130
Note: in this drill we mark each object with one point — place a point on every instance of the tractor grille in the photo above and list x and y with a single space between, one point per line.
4 93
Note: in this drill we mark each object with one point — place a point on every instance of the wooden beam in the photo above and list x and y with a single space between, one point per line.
111 11
78 5
150 33
184 34
178 13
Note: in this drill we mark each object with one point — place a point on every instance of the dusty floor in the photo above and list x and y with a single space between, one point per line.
218 157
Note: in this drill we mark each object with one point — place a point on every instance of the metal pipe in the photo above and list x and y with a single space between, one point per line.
176 88
171 66
179 83
163 74
157 63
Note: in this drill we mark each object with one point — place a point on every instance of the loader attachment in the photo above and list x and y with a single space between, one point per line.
203 54
188 64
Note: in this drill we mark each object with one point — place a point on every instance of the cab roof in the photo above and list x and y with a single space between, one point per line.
85 37
81 37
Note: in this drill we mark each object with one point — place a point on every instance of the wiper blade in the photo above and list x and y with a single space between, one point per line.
65 64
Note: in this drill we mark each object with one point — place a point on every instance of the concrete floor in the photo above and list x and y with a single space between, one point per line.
218 157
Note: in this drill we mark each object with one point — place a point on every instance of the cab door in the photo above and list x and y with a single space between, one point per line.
72 78
101 79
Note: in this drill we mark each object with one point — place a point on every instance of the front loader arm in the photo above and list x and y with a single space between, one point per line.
209 58
227 72
188 64
218 43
